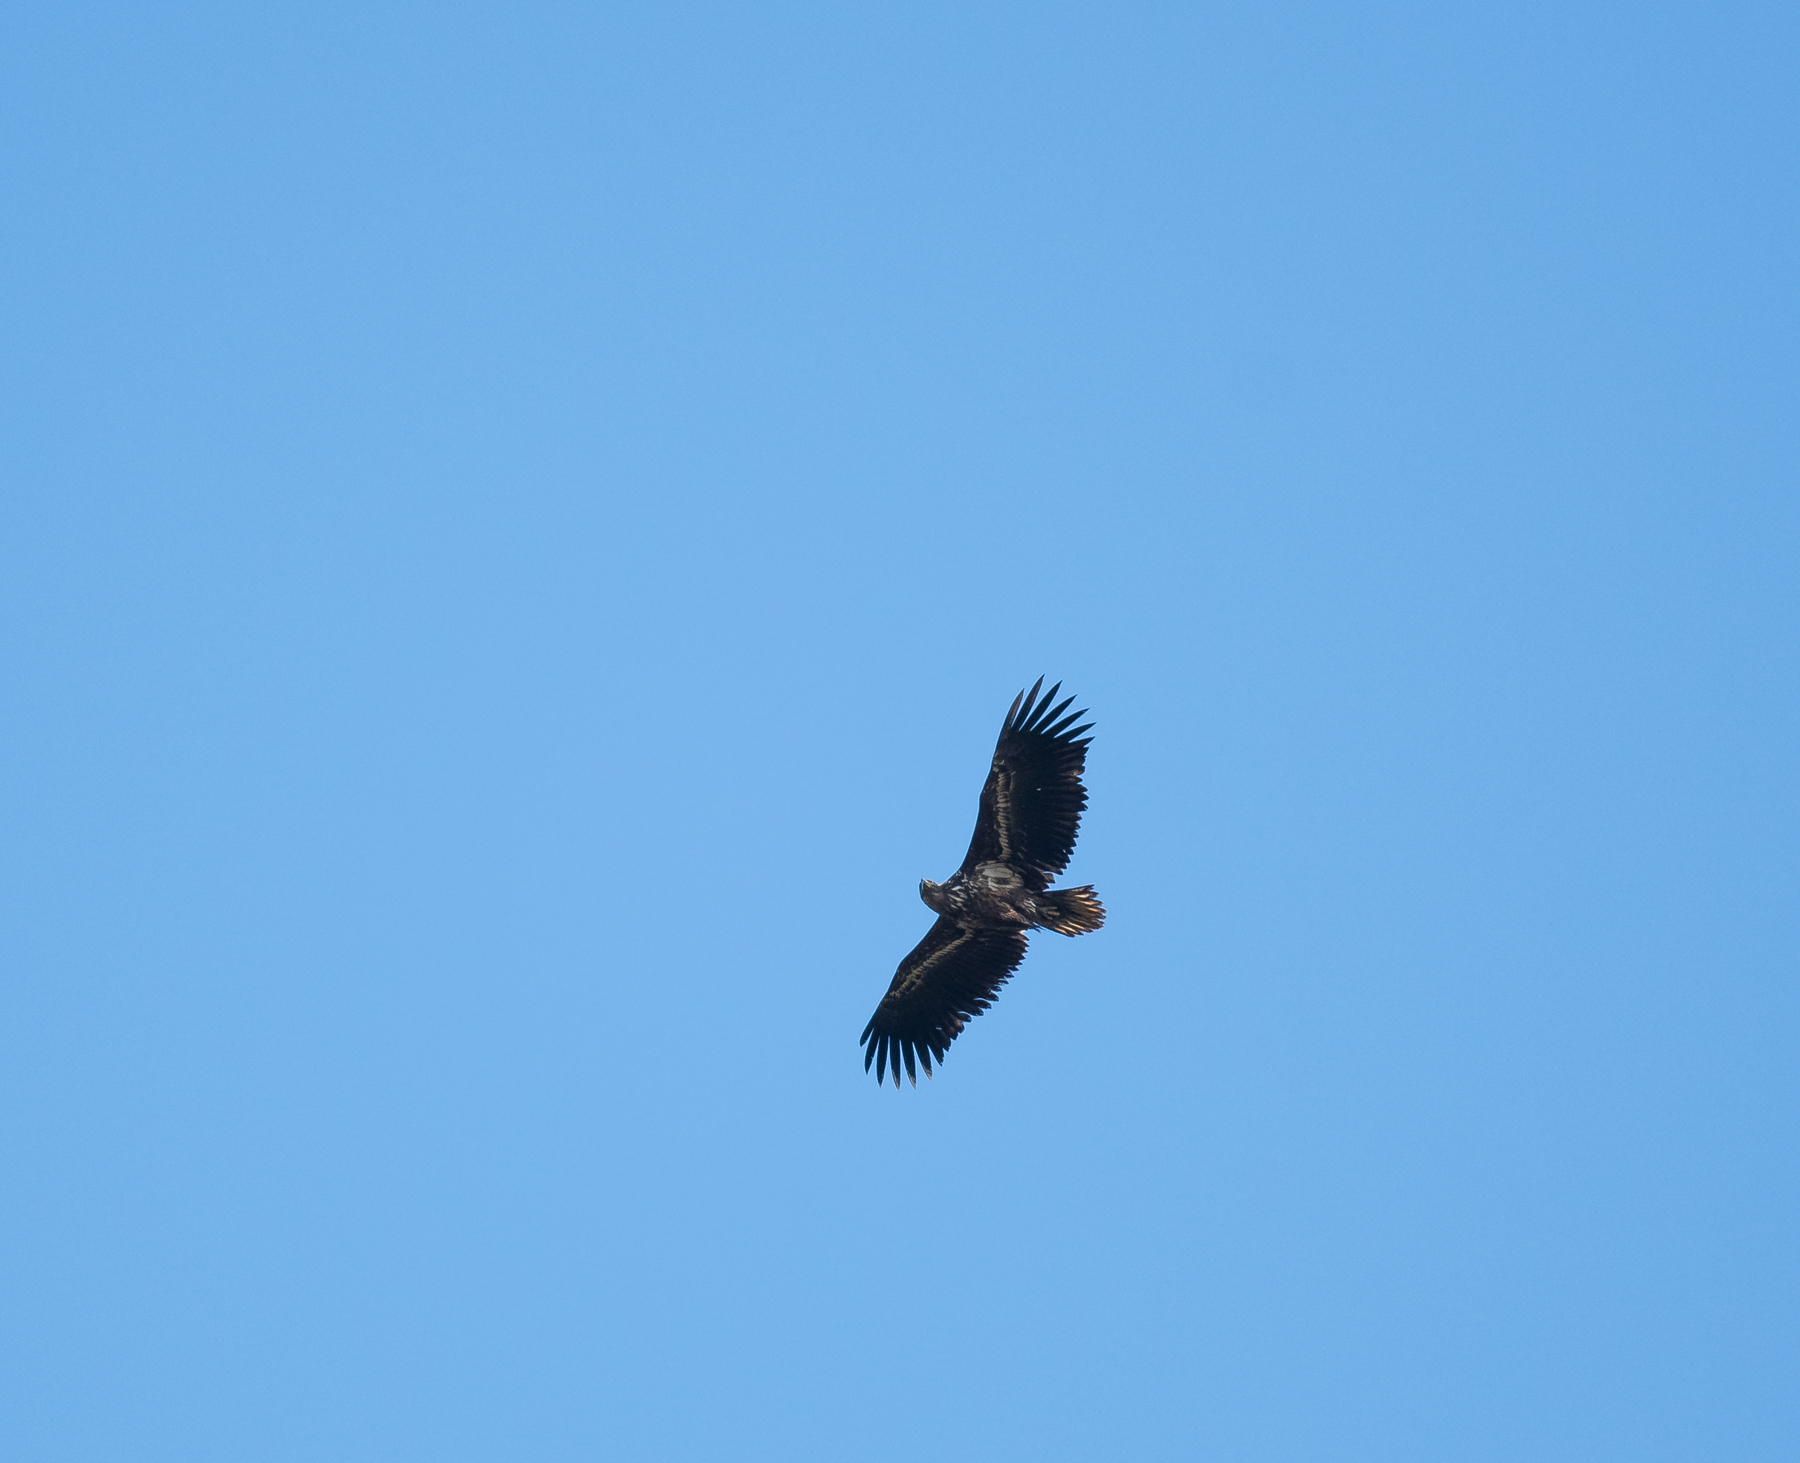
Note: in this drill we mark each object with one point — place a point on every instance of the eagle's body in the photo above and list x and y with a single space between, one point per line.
1031 809
995 895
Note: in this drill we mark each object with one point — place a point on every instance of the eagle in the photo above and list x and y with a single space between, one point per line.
1031 806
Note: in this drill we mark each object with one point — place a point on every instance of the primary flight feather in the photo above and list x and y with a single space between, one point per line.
1031 808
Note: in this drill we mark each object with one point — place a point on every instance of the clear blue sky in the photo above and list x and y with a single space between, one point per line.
520 525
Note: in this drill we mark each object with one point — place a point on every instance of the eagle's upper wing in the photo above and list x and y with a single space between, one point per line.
951 975
1032 802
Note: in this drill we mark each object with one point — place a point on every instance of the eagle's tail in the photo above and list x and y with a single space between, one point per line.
1071 911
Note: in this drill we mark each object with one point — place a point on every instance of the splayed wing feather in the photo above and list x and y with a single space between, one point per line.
1032 802
951 976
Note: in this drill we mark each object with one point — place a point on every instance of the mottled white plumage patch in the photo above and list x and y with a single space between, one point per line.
997 876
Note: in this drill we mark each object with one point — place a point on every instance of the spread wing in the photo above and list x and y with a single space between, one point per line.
1032 802
951 976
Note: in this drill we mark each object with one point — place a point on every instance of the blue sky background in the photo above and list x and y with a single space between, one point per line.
520 526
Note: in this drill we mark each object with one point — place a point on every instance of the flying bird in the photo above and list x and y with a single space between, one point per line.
1031 808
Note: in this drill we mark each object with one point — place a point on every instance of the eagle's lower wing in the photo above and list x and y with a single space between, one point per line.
951 976
1032 801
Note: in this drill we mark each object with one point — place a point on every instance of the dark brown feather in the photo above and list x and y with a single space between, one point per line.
951 976
1032 802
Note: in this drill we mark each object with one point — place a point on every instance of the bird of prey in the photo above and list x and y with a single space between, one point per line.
1031 807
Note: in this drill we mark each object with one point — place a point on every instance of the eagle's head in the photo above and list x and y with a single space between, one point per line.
932 894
